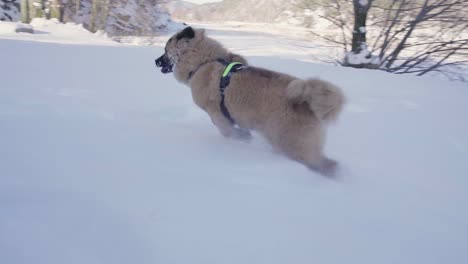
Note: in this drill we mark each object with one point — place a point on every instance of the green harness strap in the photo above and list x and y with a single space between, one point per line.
229 68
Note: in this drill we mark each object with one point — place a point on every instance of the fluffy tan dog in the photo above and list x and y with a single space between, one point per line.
291 113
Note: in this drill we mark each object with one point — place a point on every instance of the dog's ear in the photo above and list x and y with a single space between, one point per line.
188 33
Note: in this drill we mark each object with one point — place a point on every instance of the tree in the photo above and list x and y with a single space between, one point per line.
408 36
351 38
116 17
55 9
37 8
94 15
423 36
361 7
360 57
9 10
25 13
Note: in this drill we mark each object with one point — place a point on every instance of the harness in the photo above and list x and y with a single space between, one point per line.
231 68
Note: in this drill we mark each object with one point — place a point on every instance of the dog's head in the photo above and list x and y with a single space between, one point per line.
176 47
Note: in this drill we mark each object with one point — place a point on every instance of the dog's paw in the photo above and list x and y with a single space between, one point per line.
242 134
329 167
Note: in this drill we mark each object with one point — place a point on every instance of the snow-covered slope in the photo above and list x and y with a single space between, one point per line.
105 160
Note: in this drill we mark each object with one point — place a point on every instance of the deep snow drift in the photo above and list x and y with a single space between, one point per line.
105 160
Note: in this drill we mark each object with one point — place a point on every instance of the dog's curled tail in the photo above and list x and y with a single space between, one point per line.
325 100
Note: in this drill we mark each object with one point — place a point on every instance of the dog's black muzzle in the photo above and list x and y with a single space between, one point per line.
164 63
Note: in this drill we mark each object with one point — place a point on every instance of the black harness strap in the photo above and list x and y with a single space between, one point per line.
230 69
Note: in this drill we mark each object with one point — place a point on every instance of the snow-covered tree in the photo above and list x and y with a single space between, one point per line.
9 10
116 17
135 17
77 11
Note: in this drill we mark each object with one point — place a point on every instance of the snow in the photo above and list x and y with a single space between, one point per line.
7 28
106 160
363 2
52 31
23 25
363 57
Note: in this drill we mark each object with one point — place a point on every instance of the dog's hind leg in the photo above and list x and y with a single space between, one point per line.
323 165
312 157
304 143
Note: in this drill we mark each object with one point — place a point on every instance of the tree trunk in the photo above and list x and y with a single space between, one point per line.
25 15
55 6
45 7
360 57
62 12
105 9
93 17
361 7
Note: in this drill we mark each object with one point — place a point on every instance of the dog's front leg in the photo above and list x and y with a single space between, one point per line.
227 129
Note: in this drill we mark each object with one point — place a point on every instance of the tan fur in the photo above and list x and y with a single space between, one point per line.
324 99
291 113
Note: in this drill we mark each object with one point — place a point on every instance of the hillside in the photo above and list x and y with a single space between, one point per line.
263 11
178 8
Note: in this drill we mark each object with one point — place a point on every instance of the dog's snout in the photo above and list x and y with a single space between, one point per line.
164 63
161 61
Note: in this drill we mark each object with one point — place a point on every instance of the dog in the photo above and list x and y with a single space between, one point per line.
291 113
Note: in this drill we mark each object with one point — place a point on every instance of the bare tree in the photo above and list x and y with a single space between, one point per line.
423 36
336 13
408 36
